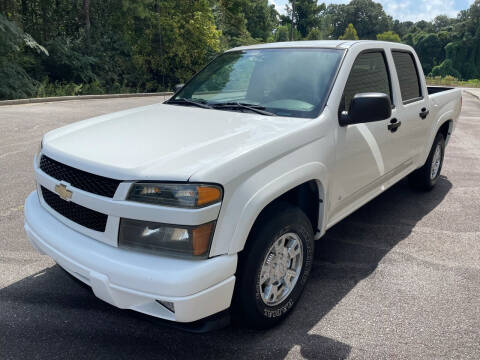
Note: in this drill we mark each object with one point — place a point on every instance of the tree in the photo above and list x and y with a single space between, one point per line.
368 18
424 26
261 18
389 36
429 48
232 22
282 33
14 80
170 40
324 31
349 34
307 15
445 69
441 22
402 28
86 14
149 45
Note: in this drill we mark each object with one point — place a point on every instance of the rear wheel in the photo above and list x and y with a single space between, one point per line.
427 176
274 267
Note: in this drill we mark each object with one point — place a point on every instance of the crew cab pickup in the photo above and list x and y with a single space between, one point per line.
213 200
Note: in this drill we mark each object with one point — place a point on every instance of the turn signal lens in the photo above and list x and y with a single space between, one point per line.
201 238
208 195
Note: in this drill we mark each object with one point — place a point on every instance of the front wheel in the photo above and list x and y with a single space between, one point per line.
274 267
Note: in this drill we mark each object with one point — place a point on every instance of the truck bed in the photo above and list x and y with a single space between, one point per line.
437 89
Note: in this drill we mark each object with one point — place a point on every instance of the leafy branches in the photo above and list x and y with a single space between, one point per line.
12 38
14 80
87 46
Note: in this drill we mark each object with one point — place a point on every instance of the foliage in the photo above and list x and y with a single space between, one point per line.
233 23
449 46
367 16
323 31
445 69
111 46
14 80
307 15
389 36
282 33
261 19
349 34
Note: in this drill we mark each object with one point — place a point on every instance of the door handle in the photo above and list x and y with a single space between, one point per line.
394 125
424 113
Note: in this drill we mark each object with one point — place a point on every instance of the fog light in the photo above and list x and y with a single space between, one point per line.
169 305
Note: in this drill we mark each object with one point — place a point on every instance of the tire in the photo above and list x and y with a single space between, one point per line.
425 178
279 229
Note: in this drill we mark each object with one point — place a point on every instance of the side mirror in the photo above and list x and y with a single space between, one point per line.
178 87
367 107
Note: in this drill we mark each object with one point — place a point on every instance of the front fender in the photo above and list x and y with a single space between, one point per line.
271 191
248 194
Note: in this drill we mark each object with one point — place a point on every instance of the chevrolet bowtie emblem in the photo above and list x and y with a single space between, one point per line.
62 191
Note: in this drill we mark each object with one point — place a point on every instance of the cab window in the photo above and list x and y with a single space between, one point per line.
407 76
369 74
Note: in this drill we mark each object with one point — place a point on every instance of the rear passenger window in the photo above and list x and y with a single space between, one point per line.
407 76
369 74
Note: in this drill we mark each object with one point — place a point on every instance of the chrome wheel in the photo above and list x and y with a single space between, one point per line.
281 269
436 161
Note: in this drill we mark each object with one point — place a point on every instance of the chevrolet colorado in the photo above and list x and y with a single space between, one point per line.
214 199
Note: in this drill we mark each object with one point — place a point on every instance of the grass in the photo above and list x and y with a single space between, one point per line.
451 81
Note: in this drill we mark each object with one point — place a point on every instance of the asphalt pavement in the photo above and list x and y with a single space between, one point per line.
399 278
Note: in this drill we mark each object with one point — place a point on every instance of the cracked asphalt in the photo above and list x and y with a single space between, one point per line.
399 278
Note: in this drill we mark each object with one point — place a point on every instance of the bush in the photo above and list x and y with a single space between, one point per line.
445 69
15 82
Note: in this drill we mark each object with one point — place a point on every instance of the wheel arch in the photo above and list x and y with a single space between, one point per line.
444 125
446 129
304 187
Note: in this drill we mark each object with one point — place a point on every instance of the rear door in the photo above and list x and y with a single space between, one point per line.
413 105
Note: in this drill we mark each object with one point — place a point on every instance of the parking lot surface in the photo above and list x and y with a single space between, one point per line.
399 278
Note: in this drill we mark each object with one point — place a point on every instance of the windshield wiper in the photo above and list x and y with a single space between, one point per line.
189 102
238 105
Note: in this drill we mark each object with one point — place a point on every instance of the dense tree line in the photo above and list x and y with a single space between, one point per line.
63 47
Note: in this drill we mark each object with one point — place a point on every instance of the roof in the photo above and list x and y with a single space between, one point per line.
332 44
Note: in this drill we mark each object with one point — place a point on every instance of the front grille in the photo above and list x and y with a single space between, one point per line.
81 215
78 178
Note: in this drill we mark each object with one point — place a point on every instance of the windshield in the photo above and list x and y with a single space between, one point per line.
285 82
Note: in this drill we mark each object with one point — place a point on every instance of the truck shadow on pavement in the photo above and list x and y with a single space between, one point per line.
49 315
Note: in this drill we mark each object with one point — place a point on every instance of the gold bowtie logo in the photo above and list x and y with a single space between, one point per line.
62 191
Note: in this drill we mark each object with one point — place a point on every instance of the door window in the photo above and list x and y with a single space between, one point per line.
407 76
369 74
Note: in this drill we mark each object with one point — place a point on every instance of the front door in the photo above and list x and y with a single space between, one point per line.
367 153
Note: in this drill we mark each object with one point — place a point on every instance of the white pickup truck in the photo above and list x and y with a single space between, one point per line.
214 199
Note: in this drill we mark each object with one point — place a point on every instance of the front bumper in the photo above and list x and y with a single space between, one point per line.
130 280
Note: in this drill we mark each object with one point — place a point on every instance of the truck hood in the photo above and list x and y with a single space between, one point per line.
162 142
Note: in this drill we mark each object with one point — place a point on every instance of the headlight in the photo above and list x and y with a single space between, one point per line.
162 238
176 195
